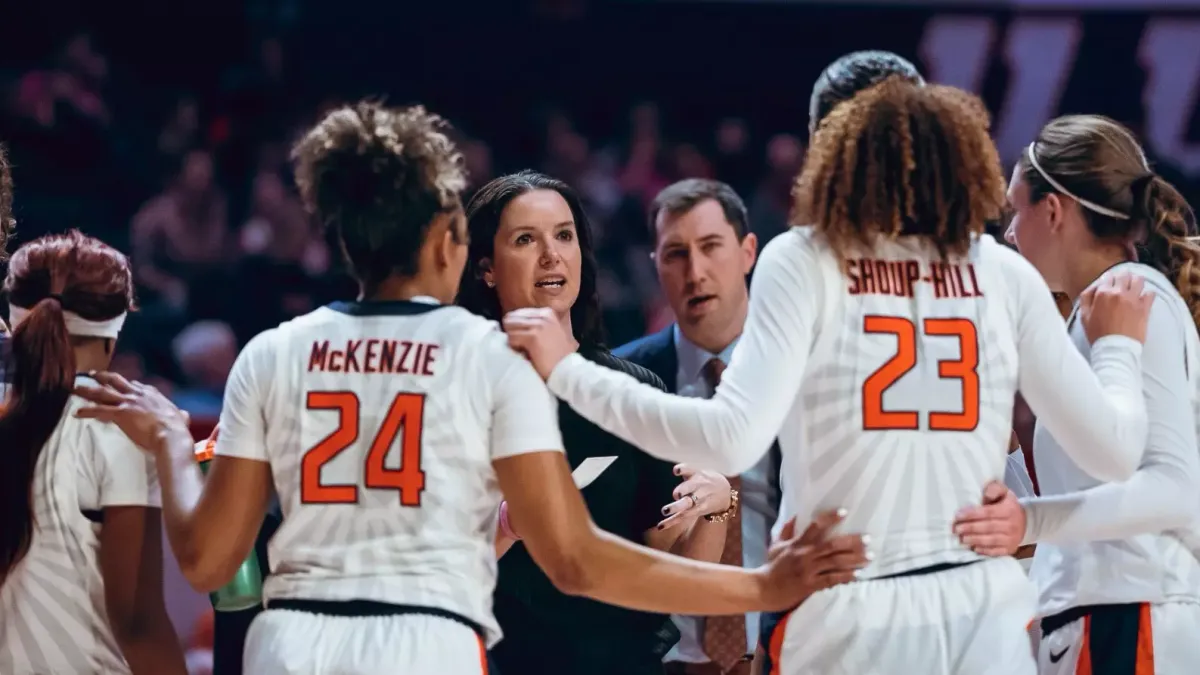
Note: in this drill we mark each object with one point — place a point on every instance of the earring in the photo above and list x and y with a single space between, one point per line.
491 284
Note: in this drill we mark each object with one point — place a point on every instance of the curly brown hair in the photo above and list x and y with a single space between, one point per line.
7 222
901 159
1099 160
379 177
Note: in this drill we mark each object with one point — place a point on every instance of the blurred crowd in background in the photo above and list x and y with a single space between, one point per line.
199 193
176 148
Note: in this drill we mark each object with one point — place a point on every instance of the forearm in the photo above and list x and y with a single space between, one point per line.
188 530
153 649
1150 501
617 572
703 540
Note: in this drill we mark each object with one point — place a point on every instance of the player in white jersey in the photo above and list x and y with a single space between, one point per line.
884 347
80 539
1119 588
388 428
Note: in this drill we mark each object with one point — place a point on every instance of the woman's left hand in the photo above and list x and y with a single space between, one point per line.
700 494
539 335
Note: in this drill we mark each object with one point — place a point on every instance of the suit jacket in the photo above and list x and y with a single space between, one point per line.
656 353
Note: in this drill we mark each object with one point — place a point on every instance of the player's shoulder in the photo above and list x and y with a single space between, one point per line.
1155 280
607 359
1010 266
801 240
799 255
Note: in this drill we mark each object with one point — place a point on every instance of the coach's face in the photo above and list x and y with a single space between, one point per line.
702 267
1036 229
536 260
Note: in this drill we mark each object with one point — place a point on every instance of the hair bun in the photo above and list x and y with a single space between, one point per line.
359 156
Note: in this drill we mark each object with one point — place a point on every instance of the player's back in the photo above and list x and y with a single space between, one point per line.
53 616
905 412
378 431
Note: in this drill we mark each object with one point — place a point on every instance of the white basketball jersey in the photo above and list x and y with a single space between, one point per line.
889 386
380 422
1148 567
906 407
52 609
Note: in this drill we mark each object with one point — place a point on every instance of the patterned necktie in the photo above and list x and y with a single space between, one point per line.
725 636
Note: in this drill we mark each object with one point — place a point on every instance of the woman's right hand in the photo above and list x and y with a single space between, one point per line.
797 567
1117 305
147 417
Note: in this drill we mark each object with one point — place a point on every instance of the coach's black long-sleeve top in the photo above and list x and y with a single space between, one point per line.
546 631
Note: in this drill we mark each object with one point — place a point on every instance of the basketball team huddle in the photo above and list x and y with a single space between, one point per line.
887 341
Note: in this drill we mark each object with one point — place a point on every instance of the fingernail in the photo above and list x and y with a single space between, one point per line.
842 513
660 526
858 574
958 529
677 472
869 555
866 539
666 511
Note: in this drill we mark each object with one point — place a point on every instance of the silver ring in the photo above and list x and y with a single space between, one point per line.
693 498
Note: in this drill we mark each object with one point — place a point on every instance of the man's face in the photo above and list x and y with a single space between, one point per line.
702 268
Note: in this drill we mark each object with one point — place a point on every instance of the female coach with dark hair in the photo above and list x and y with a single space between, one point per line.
530 246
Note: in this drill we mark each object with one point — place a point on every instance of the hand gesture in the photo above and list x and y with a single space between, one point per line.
538 334
701 493
1117 305
997 527
147 417
798 567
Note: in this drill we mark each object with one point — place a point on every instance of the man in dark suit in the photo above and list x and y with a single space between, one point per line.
703 251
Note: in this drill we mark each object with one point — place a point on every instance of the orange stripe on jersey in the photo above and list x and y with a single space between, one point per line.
1145 643
1084 665
775 645
482 656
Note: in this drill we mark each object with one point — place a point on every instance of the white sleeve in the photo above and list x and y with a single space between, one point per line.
731 431
1099 418
1016 475
242 430
1164 493
126 475
524 413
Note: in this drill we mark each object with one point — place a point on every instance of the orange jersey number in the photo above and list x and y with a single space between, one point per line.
404 419
963 369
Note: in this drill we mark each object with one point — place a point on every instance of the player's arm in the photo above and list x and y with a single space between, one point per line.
1164 492
131 557
549 512
731 431
213 520
1096 413
211 524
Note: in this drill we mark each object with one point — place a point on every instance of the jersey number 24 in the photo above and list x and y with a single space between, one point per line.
963 369
404 419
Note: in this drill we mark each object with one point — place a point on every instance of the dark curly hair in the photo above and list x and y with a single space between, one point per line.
379 176
483 221
1097 159
902 159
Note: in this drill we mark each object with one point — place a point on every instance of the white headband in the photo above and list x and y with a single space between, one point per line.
1091 206
76 325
